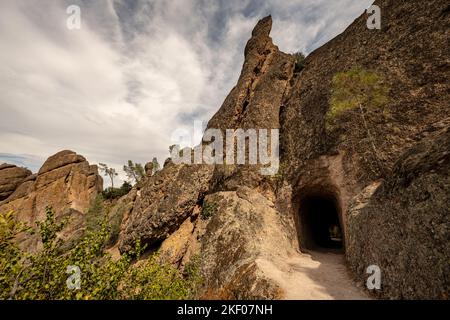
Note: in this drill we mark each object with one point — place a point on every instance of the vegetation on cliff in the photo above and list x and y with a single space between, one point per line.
86 271
357 88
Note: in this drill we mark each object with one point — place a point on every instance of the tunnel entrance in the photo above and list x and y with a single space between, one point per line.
320 225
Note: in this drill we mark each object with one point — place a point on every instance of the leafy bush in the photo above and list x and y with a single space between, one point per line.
153 279
299 61
10 255
363 90
134 171
126 187
115 193
114 210
116 215
356 88
43 275
95 214
208 210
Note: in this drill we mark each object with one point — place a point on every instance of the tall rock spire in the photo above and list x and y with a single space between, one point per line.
255 101
263 27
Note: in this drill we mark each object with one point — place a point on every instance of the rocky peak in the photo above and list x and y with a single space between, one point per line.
255 101
263 27
6 166
11 177
174 195
61 159
66 182
249 235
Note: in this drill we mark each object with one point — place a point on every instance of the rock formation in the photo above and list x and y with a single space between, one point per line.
381 184
11 177
403 225
409 52
392 205
166 199
149 168
169 207
66 182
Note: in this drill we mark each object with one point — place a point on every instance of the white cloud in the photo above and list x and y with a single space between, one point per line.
117 88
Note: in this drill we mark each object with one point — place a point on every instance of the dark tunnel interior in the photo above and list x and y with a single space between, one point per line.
319 222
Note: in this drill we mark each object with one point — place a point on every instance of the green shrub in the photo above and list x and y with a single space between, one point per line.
365 91
299 61
95 214
356 88
114 210
115 193
208 210
193 273
10 254
116 215
43 275
126 187
153 279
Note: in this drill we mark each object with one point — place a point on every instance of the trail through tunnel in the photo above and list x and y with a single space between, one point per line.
320 226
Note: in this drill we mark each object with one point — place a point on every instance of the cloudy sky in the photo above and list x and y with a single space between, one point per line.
136 70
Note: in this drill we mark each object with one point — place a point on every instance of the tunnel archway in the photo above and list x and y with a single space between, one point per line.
319 222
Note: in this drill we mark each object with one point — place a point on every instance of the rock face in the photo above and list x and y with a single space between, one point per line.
243 240
173 206
66 182
403 226
163 203
11 177
387 190
341 165
256 99
413 64
392 205
254 103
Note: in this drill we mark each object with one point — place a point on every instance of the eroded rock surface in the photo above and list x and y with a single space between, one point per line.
403 225
11 177
244 229
164 202
392 204
66 182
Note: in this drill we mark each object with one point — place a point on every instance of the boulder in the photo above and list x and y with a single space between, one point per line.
244 234
66 182
165 200
11 177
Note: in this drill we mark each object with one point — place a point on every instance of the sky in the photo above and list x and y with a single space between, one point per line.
136 71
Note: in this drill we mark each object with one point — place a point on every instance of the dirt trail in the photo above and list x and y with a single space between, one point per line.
318 275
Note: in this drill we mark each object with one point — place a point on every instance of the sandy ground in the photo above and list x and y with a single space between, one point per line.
314 276
317 275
